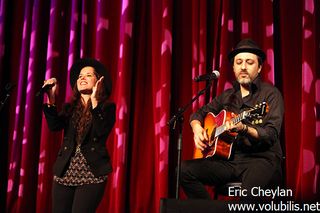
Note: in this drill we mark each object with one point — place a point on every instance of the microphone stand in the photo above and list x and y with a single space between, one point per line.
8 88
178 117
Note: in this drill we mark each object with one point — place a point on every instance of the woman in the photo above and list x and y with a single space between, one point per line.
83 163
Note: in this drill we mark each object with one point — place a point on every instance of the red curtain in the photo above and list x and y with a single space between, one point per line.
153 49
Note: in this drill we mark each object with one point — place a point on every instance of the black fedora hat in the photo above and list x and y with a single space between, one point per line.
98 67
247 45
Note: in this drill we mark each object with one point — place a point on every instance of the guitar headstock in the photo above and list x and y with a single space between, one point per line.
256 113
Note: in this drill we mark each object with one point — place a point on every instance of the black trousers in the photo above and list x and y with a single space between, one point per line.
252 172
76 199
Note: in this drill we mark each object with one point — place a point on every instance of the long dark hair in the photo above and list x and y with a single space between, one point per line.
79 113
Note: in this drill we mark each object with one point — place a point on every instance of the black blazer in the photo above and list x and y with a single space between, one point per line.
93 144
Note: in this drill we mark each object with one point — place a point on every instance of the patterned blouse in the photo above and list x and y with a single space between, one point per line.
79 172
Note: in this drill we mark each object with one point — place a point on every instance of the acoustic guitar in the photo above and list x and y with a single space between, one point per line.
221 141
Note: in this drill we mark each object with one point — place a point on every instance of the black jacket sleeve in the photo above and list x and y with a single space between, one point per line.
55 121
103 118
269 131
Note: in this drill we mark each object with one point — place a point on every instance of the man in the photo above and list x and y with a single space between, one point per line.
256 154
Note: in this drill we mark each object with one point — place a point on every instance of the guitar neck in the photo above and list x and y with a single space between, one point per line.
235 120
257 111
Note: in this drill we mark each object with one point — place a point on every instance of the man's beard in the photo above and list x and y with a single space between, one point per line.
244 81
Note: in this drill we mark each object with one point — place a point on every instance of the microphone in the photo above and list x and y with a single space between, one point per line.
46 88
209 76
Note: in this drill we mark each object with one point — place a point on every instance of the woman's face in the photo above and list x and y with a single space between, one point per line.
86 80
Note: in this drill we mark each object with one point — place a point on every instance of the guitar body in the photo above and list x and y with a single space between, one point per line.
221 141
222 145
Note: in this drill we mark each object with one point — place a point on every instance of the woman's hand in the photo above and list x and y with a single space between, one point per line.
52 91
96 88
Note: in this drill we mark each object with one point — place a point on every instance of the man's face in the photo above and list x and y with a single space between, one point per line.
246 67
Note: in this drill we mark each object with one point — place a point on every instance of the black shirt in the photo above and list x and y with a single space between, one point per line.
268 131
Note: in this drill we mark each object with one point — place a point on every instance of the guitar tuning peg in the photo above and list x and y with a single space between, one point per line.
256 121
252 122
260 121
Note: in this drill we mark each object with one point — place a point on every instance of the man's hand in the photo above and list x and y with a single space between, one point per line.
231 127
200 136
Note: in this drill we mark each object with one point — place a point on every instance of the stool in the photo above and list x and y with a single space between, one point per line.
224 189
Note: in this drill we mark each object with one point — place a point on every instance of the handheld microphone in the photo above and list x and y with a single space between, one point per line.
209 76
46 88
